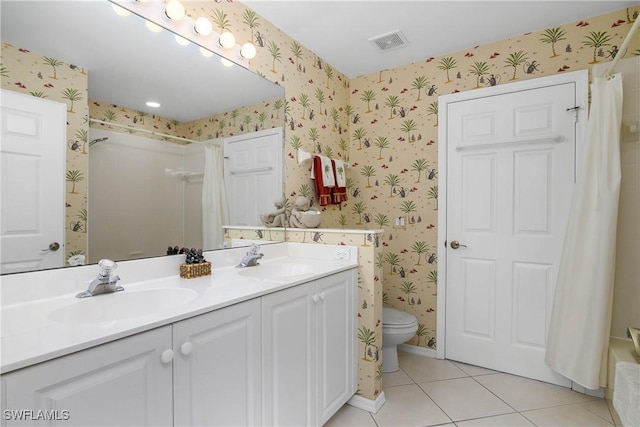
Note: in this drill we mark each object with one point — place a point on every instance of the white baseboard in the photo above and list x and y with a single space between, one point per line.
420 351
367 404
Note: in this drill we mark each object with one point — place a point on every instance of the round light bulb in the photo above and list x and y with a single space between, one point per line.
227 40
248 50
206 52
181 40
120 10
203 26
174 10
226 62
154 28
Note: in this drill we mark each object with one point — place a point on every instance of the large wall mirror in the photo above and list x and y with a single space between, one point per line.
126 65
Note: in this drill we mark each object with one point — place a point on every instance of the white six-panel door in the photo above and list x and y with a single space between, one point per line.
253 174
32 158
510 173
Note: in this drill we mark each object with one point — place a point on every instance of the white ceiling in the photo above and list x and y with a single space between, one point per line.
338 31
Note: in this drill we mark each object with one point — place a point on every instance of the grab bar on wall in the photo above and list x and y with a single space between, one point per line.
552 138
241 171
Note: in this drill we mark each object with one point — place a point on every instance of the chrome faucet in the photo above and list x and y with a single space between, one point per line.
105 283
251 258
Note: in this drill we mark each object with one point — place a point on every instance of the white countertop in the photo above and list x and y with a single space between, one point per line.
30 334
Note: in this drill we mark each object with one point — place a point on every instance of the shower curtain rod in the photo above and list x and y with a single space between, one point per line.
145 130
621 52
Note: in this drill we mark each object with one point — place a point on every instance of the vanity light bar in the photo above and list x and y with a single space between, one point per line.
156 13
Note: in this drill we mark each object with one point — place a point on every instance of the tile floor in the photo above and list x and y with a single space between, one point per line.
430 392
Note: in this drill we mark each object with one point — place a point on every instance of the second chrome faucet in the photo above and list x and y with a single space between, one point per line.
106 282
251 258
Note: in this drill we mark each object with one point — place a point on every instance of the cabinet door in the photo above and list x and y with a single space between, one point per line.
217 375
336 317
289 357
122 383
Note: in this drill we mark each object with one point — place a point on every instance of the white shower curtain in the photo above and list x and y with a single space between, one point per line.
215 212
581 316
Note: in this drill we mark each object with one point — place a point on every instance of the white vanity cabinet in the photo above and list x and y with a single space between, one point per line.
308 350
122 383
285 358
217 366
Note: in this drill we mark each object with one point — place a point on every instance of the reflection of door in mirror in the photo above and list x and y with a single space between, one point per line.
32 186
253 174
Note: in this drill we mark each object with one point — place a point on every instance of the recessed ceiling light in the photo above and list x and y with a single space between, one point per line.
152 104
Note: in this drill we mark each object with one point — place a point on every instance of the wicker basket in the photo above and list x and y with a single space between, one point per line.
191 271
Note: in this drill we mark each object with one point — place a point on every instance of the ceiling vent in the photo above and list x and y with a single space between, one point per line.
389 41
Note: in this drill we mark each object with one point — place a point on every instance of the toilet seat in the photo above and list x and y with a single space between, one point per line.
392 318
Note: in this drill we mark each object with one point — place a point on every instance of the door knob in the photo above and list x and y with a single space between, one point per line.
53 246
455 244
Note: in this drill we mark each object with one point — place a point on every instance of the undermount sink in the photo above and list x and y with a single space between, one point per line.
122 305
279 272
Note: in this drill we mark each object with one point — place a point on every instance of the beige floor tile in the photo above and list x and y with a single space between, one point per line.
524 394
464 398
350 416
600 408
395 378
508 420
472 370
408 405
422 369
566 415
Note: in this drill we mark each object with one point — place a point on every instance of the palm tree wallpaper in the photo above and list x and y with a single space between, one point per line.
385 124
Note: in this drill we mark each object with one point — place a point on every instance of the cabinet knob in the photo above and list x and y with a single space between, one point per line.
186 348
315 297
322 295
166 356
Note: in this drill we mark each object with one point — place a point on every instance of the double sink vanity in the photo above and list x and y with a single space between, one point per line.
271 344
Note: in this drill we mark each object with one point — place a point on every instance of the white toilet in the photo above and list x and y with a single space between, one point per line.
397 327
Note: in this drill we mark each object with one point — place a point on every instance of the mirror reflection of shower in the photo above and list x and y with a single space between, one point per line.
95 141
137 209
